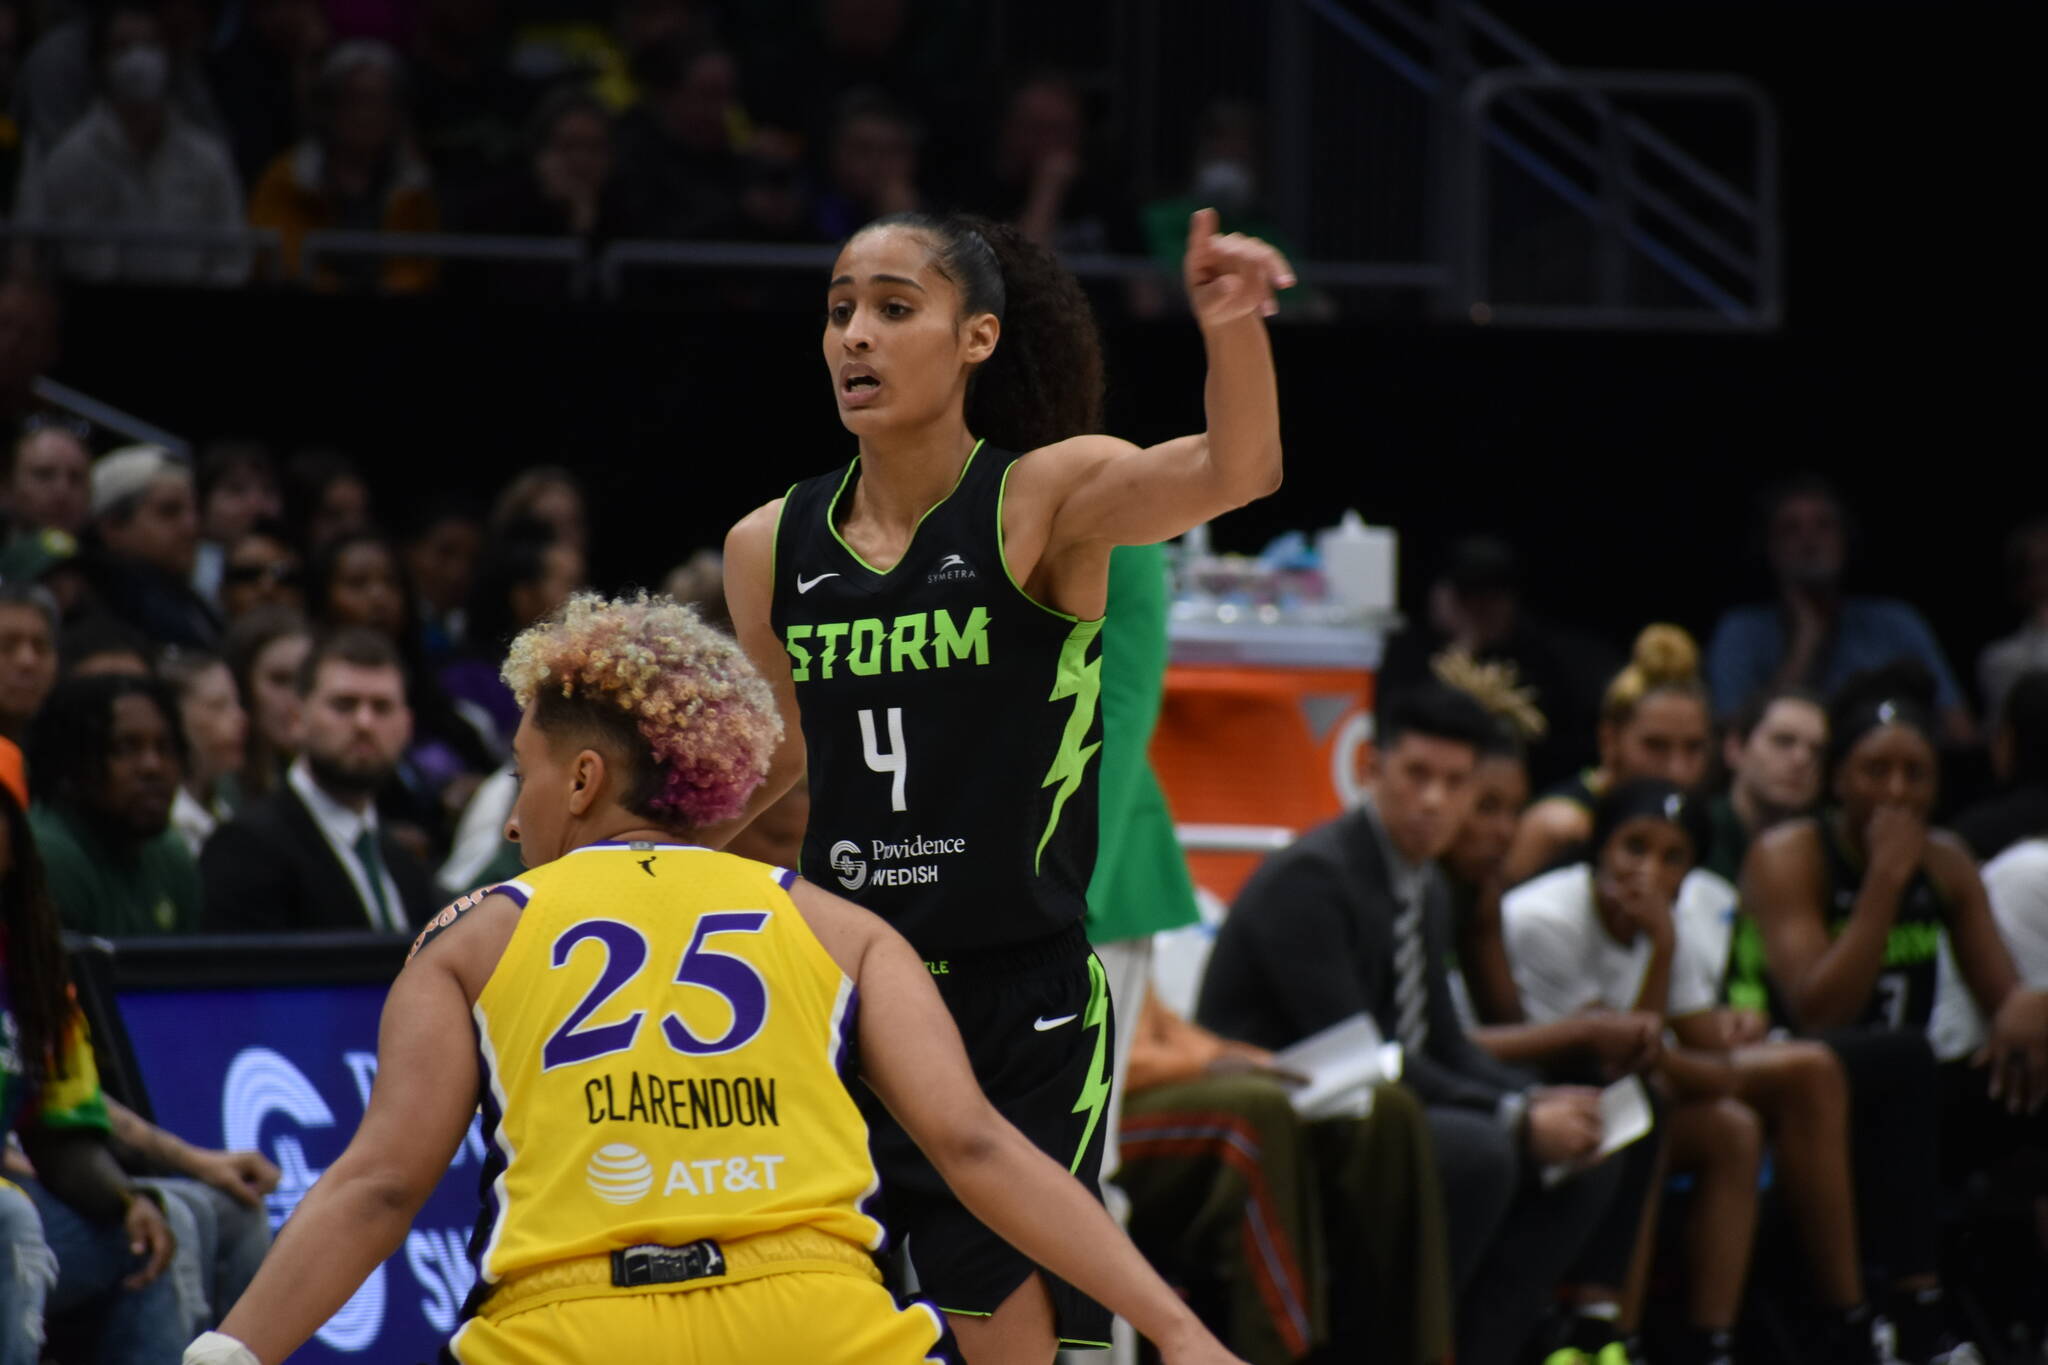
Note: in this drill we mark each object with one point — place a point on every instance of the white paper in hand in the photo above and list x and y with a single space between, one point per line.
1342 1063
1625 1117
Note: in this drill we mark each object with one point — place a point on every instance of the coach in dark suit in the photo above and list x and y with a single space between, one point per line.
1353 919
311 856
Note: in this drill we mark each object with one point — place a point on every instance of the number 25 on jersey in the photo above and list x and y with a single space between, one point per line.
731 978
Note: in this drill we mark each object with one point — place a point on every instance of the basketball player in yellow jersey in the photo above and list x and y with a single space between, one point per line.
657 1034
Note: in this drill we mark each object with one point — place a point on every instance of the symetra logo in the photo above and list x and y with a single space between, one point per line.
851 868
952 569
804 585
620 1174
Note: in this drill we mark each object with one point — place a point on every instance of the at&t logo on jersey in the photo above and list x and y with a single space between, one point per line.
848 865
620 1174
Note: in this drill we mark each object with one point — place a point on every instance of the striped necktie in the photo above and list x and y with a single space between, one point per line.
1411 984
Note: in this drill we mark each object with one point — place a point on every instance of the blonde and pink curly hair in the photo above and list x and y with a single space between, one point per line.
648 665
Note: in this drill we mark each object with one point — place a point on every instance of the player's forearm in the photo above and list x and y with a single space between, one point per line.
1835 989
1242 402
1520 1044
343 1229
1043 1211
146 1144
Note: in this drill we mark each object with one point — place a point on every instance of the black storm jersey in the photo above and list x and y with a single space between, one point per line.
952 722
1904 995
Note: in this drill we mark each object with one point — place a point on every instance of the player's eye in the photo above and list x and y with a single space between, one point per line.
840 313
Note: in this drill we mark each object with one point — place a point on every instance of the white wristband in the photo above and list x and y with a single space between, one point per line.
216 1349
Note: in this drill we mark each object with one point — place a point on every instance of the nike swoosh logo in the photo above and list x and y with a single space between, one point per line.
1044 1023
803 587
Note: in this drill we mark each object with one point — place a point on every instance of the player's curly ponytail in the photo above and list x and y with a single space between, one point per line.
1044 382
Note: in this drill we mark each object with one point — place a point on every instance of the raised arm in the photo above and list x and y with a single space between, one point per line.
911 1055
749 596
1116 493
1827 981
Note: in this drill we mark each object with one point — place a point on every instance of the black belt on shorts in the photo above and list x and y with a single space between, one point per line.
1060 948
653 1264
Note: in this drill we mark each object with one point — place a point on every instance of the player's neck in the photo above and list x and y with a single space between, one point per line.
621 827
904 475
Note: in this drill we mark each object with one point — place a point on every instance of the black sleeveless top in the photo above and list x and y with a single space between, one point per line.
1579 790
1903 998
952 722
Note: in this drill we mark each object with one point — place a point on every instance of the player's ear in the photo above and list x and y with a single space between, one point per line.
982 332
586 778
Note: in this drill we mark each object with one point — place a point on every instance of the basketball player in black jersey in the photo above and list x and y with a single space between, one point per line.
1853 907
929 614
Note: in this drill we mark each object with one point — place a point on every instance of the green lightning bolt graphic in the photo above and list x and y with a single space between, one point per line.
1080 678
1095 1094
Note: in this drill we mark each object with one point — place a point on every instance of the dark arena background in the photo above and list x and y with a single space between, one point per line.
1586 285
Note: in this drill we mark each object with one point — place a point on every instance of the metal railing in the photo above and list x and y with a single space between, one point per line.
110 418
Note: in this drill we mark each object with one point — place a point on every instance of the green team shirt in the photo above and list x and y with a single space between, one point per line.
99 889
1141 883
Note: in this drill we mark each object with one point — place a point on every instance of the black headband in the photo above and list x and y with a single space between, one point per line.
1652 798
1847 729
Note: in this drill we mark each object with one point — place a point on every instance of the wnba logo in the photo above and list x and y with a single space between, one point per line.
619 1174
852 869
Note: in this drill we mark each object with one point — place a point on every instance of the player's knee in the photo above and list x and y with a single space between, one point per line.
1733 1134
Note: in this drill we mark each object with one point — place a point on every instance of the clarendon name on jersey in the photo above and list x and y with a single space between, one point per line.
680 1102
872 645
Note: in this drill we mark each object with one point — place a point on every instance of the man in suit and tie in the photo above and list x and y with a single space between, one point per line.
1354 918
311 856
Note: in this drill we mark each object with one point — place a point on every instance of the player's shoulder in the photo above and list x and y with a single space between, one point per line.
485 902
1062 465
756 530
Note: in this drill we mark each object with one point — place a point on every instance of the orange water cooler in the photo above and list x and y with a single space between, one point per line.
1264 732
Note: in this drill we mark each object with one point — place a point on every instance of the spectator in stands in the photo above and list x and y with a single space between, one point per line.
100 646
1040 178
108 756
469 103
30 321
1855 908
441 558
80 1240
261 75
28 655
134 161
266 649
216 743
262 570
1638 928
1226 164
2019 757
775 191
356 170
313 855
144 542
1606 1044
564 187
526 573
62 74
359 581
325 497
2026 649
1653 723
871 165
1330 1234
237 489
1352 920
1773 749
48 478
1814 635
676 156
545 493
1475 608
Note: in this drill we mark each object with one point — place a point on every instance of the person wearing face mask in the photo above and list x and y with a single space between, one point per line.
134 160
1224 176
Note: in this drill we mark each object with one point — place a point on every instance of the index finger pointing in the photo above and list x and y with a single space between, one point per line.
1202 225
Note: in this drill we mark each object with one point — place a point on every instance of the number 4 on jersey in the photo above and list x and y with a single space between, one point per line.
896 762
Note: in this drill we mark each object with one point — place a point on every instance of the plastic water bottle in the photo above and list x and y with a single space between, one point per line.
1359 564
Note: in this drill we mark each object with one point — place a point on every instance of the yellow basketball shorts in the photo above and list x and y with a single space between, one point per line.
794 1318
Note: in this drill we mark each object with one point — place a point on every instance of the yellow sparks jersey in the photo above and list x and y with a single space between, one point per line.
662 1047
